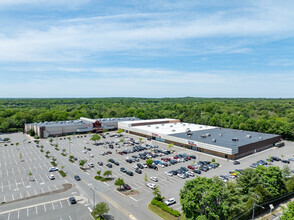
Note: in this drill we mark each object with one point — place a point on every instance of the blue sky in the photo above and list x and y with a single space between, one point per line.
146 48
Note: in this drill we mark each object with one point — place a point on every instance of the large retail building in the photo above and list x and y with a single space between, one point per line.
223 142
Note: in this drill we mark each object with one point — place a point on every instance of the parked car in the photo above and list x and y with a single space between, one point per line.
170 201
254 165
100 163
197 171
91 155
127 187
109 165
236 162
138 171
181 175
155 179
52 169
91 164
140 166
285 161
276 158
116 163
51 177
122 169
77 178
130 173
72 200
89 149
190 173
169 173
151 185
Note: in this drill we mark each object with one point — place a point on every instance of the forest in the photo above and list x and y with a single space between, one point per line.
263 115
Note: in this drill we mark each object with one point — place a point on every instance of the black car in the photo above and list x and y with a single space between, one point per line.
77 178
204 168
122 169
72 200
197 171
184 168
111 160
140 166
116 163
130 173
236 162
138 171
193 157
127 187
276 158
109 165
285 161
129 161
89 149
75 158
100 163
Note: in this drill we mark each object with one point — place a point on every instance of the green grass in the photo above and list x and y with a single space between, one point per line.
102 179
166 216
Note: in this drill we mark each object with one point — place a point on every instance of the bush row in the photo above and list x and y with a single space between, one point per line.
53 163
62 173
102 179
165 208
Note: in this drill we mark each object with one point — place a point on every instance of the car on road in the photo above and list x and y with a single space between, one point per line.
127 187
72 200
51 177
130 173
122 169
100 163
77 178
236 162
155 179
170 201
52 169
151 185
109 165
138 171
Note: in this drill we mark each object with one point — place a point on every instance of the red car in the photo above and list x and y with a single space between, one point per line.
109 152
191 167
189 158
175 157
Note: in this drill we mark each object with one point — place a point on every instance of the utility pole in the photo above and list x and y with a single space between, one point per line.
256 199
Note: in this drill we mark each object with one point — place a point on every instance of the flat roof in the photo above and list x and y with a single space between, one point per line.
224 137
131 119
60 123
172 128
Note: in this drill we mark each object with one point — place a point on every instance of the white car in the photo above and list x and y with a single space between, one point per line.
51 177
168 173
135 166
151 185
144 165
161 165
91 164
52 169
91 155
181 175
155 179
190 173
84 151
170 201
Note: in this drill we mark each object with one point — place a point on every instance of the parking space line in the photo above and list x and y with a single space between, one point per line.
27 212
53 206
35 192
12 196
36 210
20 195
60 204
45 208
8 217
42 190
28 193
17 214
69 217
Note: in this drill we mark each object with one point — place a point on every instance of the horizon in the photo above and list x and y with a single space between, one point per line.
146 49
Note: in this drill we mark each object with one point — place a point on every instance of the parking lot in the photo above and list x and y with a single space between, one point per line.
15 183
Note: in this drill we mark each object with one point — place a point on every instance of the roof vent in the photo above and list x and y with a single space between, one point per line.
260 138
220 135
213 140
173 130
162 124
235 139
184 124
208 134
148 125
156 127
203 136
171 125
248 136
200 126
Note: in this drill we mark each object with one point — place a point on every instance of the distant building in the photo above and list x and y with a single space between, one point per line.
83 125
223 142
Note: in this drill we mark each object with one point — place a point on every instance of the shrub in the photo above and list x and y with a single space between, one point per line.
62 173
11 144
165 208
53 163
102 179
47 156
213 160
36 137
42 150
70 160
63 154
5 144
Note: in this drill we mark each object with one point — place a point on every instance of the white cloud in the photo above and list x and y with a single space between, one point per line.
71 3
79 38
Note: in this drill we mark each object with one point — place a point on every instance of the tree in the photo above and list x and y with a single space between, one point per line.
16 144
248 180
98 172
47 152
140 139
95 138
286 171
100 209
107 173
170 146
51 140
104 130
145 178
30 176
62 167
119 131
157 194
149 161
32 133
82 162
20 157
63 150
288 213
119 182
121 140
202 196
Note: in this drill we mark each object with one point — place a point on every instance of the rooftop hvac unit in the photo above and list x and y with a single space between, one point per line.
148 125
208 134
248 136
184 124
162 124
235 139
156 127
173 130
260 138
213 140
200 126
220 135
171 125
203 136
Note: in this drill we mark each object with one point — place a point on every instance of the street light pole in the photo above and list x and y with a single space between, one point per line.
93 189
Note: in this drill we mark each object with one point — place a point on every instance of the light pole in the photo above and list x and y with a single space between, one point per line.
93 190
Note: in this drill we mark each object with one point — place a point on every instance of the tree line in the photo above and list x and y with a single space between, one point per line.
262 115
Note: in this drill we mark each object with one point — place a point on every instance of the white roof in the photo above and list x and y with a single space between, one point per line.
127 123
172 128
